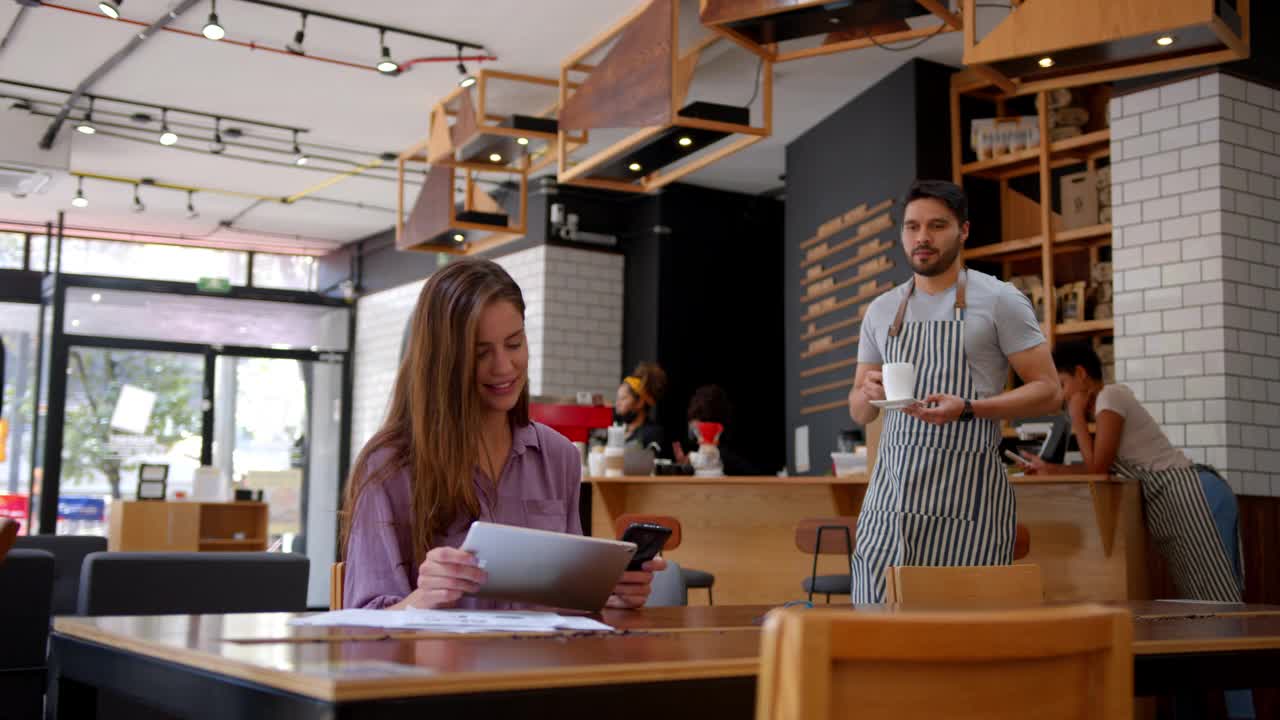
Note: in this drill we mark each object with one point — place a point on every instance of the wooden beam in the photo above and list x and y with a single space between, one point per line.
818 370
1046 218
861 43
1124 72
603 156
733 128
744 42
942 12
806 392
995 77
520 77
573 61
813 409
666 178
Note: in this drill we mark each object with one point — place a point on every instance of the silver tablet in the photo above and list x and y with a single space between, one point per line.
547 568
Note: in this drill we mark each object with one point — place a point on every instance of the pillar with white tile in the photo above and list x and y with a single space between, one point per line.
1196 192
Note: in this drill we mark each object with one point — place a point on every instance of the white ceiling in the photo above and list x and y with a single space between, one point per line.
342 107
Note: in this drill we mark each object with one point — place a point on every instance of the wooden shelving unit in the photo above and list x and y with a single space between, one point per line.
1038 242
187 526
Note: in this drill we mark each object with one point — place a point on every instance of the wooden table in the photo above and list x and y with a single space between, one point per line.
672 662
1087 531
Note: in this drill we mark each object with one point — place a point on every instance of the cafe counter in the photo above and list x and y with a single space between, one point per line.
1087 531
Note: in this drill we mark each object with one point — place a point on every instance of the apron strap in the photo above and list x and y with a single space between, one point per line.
961 281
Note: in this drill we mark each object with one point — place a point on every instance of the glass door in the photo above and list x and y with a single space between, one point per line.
126 408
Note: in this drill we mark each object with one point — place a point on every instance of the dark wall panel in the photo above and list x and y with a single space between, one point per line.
866 152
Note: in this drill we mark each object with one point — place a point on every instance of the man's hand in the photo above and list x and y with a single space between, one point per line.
937 409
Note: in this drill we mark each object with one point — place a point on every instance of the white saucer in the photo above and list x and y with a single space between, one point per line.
894 404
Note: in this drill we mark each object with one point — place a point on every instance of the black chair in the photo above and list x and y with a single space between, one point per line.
26 591
138 583
822 536
68 552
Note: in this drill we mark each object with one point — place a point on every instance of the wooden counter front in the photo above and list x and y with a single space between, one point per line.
1087 531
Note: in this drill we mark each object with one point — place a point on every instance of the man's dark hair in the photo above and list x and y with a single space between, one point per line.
948 193
710 403
1070 355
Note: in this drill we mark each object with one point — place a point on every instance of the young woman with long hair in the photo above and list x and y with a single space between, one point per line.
458 446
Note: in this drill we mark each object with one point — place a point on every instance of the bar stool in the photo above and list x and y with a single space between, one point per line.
692 578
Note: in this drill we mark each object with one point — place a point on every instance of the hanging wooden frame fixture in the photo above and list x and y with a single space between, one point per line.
760 26
643 82
1049 44
437 223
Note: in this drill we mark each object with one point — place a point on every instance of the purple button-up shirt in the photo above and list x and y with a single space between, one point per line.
539 488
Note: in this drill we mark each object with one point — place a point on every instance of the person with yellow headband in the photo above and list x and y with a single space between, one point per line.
637 395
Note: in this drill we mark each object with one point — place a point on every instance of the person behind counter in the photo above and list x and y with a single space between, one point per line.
1191 511
458 446
634 405
939 494
710 403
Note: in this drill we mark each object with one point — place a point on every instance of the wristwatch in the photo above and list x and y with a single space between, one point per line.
966 414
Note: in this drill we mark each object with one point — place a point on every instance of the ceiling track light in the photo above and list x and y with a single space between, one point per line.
296 47
212 29
138 207
80 200
386 65
167 136
85 126
467 79
299 157
192 213
217 146
110 8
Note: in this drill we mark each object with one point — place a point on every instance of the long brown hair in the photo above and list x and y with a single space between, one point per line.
434 420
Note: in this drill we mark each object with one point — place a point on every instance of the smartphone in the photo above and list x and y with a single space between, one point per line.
1017 458
649 539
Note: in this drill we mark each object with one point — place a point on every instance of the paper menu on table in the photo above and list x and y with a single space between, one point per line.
453 621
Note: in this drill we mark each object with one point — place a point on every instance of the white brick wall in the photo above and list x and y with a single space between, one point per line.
1196 190
573 320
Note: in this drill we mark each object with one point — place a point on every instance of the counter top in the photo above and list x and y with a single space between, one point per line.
857 479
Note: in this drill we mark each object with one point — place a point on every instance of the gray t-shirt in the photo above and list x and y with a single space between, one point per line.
999 321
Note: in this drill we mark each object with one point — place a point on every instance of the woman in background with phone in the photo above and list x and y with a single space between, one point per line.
1191 511
458 446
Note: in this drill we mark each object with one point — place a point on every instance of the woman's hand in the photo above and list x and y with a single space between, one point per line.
1078 406
633 589
444 577
1036 465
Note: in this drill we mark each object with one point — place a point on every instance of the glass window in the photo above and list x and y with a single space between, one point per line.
19 330
37 253
202 319
11 250
151 261
289 272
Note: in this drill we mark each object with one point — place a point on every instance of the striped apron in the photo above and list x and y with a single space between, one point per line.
1182 527
939 494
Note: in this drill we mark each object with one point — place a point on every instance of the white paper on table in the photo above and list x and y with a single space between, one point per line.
453 621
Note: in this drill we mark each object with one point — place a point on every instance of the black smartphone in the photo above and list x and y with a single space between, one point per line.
649 539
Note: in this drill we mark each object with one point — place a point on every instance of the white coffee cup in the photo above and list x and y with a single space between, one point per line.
899 380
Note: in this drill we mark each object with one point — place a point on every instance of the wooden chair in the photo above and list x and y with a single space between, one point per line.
692 578
8 535
337 576
964 588
827 536
1061 663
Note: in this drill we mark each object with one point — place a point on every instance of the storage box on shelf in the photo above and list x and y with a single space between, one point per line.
1060 259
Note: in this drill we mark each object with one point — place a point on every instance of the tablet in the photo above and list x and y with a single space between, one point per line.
547 568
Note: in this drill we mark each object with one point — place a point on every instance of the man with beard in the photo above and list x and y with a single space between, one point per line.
939 494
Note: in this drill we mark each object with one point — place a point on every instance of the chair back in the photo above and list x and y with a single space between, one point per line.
1061 663
625 521
668 588
337 576
26 590
69 552
8 535
964 588
192 583
826 535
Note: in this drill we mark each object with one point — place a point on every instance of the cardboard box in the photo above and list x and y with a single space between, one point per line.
1079 200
